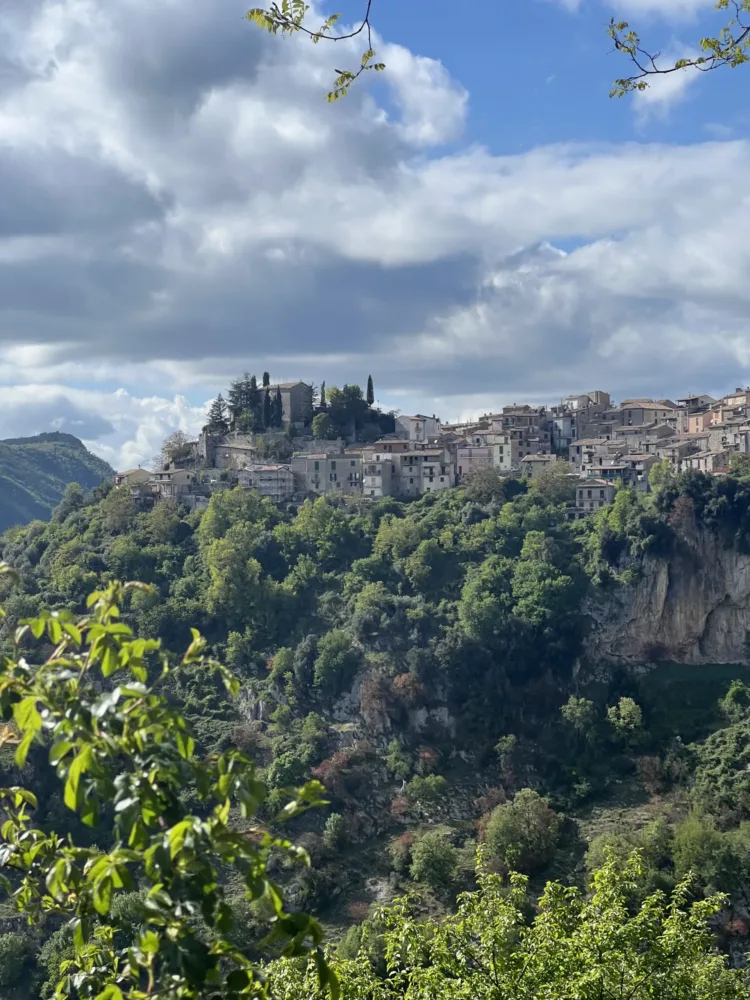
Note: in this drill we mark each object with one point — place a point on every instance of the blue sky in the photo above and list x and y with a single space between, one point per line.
539 72
480 224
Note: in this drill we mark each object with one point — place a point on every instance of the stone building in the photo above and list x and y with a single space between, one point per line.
327 474
296 400
273 481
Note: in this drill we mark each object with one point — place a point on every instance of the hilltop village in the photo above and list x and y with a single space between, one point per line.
289 441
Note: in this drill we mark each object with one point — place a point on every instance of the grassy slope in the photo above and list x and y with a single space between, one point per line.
35 471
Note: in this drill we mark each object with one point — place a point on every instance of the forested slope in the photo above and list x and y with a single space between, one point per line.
34 472
427 663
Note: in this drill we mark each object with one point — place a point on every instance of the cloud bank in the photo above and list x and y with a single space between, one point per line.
186 205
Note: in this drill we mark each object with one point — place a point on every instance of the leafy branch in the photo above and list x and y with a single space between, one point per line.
729 48
126 758
288 18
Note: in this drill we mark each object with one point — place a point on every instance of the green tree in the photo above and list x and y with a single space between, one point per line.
434 860
483 486
739 465
334 832
13 952
555 485
266 409
523 833
337 662
323 401
266 380
736 701
370 392
588 948
322 427
113 738
217 415
626 719
579 713
277 410
660 475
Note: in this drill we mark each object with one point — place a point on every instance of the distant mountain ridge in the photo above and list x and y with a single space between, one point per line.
34 472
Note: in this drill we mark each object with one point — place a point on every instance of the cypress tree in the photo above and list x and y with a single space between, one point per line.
277 414
267 409
266 379
370 391
323 396
254 402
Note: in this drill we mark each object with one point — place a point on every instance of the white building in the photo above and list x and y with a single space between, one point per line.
273 481
593 494
326 474
418 427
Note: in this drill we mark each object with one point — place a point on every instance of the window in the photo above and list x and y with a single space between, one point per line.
601 493
353 462
411 482
317 466
588 494
333 465
442 479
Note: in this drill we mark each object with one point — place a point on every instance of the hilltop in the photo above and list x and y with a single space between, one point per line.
34 472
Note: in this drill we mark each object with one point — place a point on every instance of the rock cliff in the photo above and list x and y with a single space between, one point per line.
692 607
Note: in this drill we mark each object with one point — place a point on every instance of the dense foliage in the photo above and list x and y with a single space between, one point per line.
166 824
600 947
34 472
423 662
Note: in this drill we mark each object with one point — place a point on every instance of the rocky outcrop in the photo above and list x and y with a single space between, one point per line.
692 607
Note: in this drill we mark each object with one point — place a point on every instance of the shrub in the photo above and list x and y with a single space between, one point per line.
334 833
524 833
651 772
426 791
494 797
434 861
400 851
336 663
12 958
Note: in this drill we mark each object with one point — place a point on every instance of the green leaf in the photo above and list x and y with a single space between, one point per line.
102 896
59 750
72 785
26 714
22 750
110 992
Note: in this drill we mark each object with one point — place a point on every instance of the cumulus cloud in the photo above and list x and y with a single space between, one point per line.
125 430
186 205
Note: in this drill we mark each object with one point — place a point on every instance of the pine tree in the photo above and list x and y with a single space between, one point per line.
323 397
370 391
245 391
267 409
277 410
217 414
234 398
266 379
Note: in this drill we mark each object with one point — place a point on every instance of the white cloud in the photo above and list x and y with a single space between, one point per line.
671 9
186 205
123 429
666 90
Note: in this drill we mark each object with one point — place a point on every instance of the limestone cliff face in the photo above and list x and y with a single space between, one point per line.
693 607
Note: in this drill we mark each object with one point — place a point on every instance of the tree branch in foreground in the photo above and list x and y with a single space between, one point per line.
729 48
288 19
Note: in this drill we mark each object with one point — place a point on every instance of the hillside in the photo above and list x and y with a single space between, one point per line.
432 665
34 472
